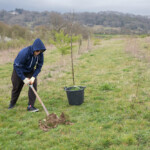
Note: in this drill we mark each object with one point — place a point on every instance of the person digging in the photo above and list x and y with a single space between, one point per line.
27 66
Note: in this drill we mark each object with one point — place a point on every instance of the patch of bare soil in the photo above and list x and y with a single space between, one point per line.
19 132
52 121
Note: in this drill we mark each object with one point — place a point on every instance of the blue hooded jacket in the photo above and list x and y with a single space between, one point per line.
26 61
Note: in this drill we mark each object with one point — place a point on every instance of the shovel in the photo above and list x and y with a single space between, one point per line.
31 86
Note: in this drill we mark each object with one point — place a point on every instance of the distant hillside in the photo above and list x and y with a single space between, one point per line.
101 22
116 20
24 18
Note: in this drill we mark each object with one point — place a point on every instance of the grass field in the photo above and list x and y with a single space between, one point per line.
115 114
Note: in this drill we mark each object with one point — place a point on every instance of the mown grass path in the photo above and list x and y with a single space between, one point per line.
115 114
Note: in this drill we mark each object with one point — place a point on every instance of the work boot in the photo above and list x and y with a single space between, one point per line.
32 109
11 106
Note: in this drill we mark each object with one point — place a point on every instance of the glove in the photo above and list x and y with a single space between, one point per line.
32 80
26 81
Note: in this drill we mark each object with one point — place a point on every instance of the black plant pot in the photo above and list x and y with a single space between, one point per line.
75 97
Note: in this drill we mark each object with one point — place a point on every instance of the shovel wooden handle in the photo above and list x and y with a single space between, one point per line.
31 86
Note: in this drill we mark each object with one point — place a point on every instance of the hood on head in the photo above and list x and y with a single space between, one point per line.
38 45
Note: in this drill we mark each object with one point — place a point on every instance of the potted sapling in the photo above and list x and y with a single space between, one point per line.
75 94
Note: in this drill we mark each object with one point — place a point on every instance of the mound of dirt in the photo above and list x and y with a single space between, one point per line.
52 120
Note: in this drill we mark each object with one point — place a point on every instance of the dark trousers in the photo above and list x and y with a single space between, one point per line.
17 87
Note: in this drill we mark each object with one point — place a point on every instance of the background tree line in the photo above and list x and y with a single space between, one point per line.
24 26
107 22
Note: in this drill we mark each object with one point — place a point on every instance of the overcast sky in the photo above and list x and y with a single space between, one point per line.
137 7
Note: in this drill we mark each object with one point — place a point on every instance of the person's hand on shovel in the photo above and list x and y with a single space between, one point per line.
31 81
26 81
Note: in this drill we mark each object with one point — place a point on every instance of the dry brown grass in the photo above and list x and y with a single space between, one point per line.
133 46
50 71
8 56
